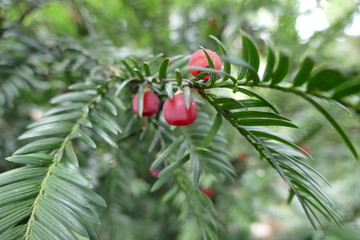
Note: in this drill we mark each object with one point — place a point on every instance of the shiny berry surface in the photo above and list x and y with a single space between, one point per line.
151 104
175 112
198 59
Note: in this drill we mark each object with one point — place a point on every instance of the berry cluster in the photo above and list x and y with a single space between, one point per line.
174 110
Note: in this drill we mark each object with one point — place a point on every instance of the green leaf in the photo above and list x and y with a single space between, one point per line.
105 136
257 114
347 88
71 175
270 63
116 101
83 86
67 108
84 96
304 72
70 153
56 118
195 165
281 69
48 129
122 85
158 184
109 106
211 65
18 191
40 145
174 166
128 68
187 96
167 153
86 139
325 80
334 124
227 65
146 69
230 103
253 94
178 78
163 67
253 58
141 100
39 159
169 89
213 130
139 74
265 122
22 173
39 231
14 233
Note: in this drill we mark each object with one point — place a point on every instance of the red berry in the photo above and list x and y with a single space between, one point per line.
198 59
208 192
175 112
155 172
151 104
242 157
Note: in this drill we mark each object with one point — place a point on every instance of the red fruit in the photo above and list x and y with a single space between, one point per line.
155 172
175 112
208 192
198 59
242 157
151 103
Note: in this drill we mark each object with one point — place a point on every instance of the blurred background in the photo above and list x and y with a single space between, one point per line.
34 33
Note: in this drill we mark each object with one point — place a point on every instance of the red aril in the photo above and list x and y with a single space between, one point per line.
198 59
175 112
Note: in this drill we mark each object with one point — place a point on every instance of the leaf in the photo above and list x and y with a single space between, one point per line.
122 85
304 72
116 101
86 139
48 129
257 114
22 173
66 108
128 68
174 166
325 80
195 164
253 94
334 124
281 69
187 97
230 103
14 233
40 145
105 136
169 89
70 153
163 67
227 65
253 58
213 130
347 88
178 78
109 106
167 153
146 69
84 96
71 175
56 118
211 65
270 63
141 100
265 122
39 159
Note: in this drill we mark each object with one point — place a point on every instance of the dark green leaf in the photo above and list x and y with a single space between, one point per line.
347 88
227 65
325 80
281 69
167 153
265 122
39 159
213 130
163 67
270 63
40 145
304 72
